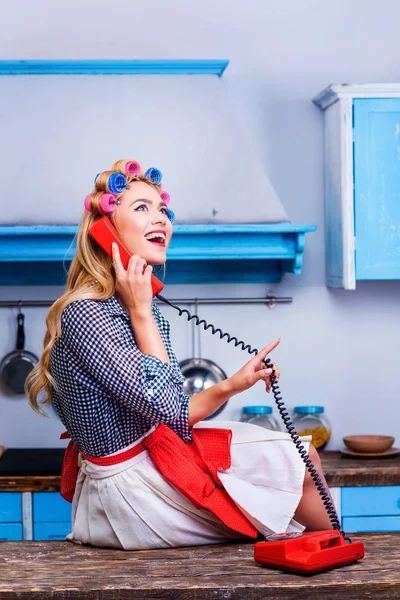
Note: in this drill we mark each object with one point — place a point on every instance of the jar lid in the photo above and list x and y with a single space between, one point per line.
308 410
257 410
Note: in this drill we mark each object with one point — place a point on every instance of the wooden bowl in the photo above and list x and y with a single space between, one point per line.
368 443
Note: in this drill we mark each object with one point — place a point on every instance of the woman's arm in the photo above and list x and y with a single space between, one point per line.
97 347
147 336
206 402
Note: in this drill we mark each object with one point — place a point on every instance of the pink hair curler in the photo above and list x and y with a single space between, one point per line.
132 168
86 202
166 197
107 203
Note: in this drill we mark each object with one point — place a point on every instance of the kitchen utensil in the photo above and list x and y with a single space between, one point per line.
16 365
368 443
200 373
385 454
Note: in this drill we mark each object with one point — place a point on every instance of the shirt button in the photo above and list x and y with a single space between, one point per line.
150 391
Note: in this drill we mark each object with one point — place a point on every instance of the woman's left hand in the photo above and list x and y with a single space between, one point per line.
268 382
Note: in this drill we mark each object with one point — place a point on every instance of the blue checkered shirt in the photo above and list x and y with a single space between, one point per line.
108 393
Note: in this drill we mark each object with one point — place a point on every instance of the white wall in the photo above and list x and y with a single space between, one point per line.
337 348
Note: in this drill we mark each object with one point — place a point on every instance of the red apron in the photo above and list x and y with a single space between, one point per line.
190 467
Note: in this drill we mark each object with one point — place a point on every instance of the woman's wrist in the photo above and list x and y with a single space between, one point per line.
204 403
140 316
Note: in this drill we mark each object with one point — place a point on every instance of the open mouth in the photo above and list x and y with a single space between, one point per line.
158 239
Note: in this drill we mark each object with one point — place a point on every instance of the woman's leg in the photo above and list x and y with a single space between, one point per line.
311 511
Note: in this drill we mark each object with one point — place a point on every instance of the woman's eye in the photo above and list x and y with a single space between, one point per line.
165 211
141 206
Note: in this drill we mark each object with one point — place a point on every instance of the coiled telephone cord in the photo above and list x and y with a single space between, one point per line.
329 507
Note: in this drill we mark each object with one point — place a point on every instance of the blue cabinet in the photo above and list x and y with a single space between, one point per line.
10 532
51 531
370 508
11 516
362 509
362 182
376 139
51 516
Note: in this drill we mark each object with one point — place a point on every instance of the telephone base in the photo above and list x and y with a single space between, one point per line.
312 552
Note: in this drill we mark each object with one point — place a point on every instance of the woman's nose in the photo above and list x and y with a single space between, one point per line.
160 219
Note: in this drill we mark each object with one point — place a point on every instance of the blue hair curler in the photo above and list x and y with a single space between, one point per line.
95 179
116 183
154 175
171 215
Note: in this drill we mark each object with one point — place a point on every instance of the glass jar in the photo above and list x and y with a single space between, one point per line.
259 415
311 420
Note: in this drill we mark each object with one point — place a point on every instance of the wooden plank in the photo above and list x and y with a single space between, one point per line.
44 570
339 471
32 483
343 471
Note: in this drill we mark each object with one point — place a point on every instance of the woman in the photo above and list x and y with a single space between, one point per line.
151 475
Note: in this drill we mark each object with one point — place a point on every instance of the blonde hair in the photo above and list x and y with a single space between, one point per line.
90 276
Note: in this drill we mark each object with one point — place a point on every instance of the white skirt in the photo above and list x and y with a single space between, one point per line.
131 506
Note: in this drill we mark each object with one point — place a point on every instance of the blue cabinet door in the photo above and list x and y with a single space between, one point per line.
10 507
51 531
50 507
371 501
377 188
51 516
370 524
10 531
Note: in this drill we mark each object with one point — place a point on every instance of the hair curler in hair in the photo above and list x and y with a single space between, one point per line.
154 175
166 197
86 202
132 168
107 203
116 183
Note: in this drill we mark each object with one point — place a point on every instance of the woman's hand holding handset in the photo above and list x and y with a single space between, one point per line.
133 287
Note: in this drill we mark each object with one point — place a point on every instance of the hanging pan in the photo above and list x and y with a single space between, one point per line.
200 373
16 366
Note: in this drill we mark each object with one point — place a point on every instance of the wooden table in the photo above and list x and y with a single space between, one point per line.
48 570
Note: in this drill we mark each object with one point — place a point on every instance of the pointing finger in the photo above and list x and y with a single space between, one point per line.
265 351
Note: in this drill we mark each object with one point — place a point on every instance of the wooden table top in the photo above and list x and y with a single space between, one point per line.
343 471
48 570
339 471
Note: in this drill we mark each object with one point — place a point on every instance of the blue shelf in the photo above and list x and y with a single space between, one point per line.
40 255
113 67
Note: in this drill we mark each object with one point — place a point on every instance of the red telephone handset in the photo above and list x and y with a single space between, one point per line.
104 232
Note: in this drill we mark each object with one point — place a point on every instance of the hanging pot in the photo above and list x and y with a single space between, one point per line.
200 374
16 366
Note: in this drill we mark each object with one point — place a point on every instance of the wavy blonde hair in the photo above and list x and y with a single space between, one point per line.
90 276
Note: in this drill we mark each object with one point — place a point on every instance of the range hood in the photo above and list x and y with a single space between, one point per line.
228 215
